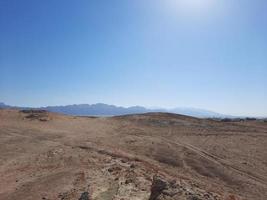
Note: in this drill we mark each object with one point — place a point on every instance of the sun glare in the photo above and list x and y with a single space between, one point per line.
193 7
196 4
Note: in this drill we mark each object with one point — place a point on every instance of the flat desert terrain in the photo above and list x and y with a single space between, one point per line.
154 156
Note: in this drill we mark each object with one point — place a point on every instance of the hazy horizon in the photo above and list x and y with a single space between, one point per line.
162 53
152 108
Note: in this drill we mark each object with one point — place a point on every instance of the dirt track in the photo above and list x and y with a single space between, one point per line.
150 156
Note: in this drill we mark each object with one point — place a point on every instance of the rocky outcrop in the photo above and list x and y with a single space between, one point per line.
84 196
158 186
32 114
161 189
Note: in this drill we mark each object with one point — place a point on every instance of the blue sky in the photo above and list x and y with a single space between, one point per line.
168 53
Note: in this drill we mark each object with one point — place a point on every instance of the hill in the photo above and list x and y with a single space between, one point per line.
155 156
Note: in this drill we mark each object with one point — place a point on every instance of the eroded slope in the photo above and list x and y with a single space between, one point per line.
151 156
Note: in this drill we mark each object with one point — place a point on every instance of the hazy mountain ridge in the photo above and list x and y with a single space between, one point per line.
2 105
197 112
95 109
101 109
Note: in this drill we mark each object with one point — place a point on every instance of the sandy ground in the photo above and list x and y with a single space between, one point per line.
136 157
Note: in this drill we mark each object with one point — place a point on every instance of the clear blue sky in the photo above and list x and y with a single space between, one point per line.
204 53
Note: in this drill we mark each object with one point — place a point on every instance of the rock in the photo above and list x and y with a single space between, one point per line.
128 181
158 185
84 196
114 169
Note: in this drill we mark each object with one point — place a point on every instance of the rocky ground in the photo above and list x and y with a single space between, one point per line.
155 156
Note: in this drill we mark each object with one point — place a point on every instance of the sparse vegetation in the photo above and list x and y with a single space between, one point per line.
157 156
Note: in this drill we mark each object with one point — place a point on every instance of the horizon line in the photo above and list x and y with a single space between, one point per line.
148 108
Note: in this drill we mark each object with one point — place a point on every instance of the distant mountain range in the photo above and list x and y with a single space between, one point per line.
101 109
